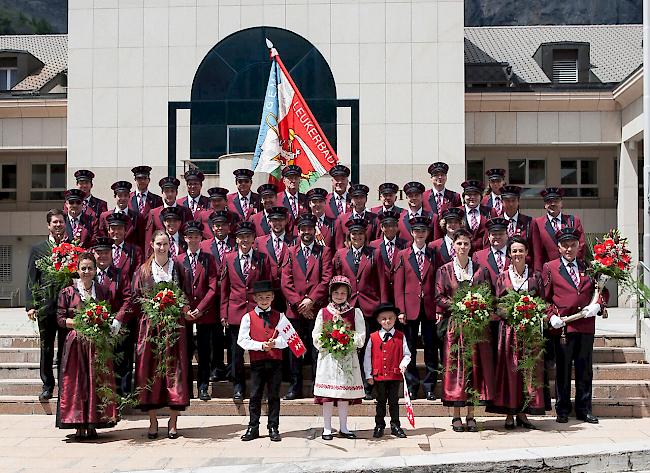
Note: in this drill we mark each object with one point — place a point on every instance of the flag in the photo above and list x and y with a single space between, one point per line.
286 331
407 403
289 133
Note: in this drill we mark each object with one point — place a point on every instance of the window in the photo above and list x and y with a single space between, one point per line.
8 182
5 263
48 181
530 174
578 177
565 66
8 77
474 169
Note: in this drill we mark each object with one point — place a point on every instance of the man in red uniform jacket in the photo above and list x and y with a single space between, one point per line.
439 198
169 186
338 201
545 228
518 223
240 271
324 225
244 202
142 200
194 200
415 277
567 291
294 201
496 181
134 221
200 283
218 246
414 194
359 196
452 220
126 257
387 249
90 204
268 196
80 227
388 196
218 201
476 216
494 258
305 277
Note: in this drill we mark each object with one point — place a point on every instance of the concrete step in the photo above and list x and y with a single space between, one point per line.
21 370
19 341
306 407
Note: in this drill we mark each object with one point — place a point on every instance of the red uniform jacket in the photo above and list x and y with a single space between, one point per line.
210 246
264 245
302 278
237 292
379 210
564 298
204 204
200 290
485 258
96 206
544 239
524 228
151 202
365 281
450 199
479 235
331 210
262 226
134 231
435 231
440 250
234 205
118 285
486 201
204 217
386 266
155 223
263 333
412 289
447 285
341 231
131 258
283 201
86 230
386 356
325 233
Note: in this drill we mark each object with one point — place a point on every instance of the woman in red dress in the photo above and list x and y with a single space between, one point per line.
509 384
156 391
461 270
80 406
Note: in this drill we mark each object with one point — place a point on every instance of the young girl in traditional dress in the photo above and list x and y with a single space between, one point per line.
338 381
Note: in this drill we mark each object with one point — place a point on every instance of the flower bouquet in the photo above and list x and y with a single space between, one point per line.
163 307
525 314
611 259
337 338
92 324
471 310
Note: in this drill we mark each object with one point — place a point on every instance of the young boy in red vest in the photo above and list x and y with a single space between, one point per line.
386 358
259 335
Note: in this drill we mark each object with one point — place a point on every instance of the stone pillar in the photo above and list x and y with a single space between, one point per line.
628 203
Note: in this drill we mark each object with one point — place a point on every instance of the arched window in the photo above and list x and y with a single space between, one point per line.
230 84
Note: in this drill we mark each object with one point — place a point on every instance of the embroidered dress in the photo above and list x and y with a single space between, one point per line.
339 379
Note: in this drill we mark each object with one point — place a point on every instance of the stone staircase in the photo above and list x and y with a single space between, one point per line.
621 384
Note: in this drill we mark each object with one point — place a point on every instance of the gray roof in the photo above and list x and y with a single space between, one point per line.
51 50
616 50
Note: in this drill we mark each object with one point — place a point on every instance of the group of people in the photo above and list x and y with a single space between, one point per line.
247 260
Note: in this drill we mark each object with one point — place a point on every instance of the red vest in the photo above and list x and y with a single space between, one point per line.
348 316
260 333
386 356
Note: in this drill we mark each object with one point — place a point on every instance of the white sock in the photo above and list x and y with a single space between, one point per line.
328 409
343 416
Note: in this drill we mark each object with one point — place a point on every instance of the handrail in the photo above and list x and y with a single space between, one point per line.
640 264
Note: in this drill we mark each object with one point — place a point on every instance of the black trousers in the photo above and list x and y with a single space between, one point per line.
549 364
431 353
217 336
124 355
386 391
237 366
371 326
190 346
304 328
204 354
577 351
48 330
265 373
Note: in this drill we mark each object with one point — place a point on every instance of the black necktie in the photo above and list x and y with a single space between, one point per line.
387 336
266 317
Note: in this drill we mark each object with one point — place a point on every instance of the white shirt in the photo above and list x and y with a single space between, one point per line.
469 209
311 248
244 339
495 196
417 213
367 356
515 217
165 206
118 210
573 264
449 242
393 241
417 250
162 274
502 251
177 247
550 218
356 214
515 283
247 196
85 295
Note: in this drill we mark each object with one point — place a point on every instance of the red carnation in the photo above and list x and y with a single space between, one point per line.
105 316
525 299
468 304
609 243
599 249
345 339
336 335
607 261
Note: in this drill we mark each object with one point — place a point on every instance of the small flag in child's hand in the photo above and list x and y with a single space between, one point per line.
286 331
407 402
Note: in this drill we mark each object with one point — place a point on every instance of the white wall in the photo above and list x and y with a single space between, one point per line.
403 60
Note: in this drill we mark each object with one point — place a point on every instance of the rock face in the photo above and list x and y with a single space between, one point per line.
33 16
552 12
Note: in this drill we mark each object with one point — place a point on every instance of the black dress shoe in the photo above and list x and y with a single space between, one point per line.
274 434
378 432
327 437
509 425
413 395
589 418
457 428
348 435
238 395
525 424
471 424
46 395
251 434
291 395
560 419
204 395
397 432
431 396
92 434
368 396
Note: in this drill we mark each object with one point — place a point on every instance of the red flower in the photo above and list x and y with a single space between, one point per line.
609 243
105 316
468 304
607 261
482 306
345 339
336 335
599 249
621 265
57 266
525 299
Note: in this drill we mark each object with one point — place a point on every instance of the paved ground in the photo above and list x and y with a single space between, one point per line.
32 444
